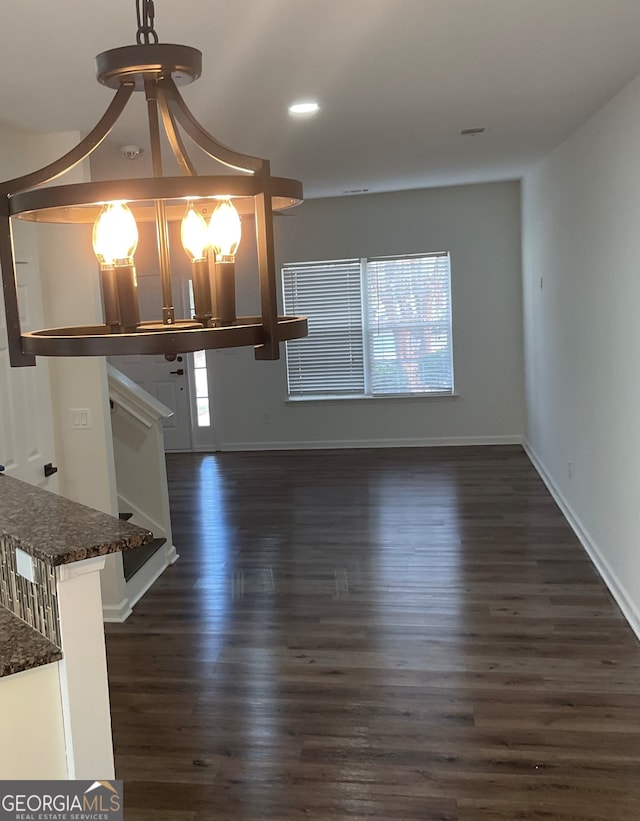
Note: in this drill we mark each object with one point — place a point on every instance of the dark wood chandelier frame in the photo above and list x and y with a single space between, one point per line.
157 70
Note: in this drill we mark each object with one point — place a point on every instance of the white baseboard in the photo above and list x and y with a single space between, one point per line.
629 609
340 444
116 613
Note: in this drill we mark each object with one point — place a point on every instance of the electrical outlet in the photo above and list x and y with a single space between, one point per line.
80 418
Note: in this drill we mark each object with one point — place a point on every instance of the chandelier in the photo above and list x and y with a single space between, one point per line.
209 208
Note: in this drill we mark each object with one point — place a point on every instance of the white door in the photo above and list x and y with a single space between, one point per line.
182 385
168 382
26 428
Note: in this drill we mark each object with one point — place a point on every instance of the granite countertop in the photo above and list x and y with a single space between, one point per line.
22 647
58 530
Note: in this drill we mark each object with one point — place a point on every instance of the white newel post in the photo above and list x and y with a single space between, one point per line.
83 672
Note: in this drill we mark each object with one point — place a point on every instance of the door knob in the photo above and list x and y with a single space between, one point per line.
179 372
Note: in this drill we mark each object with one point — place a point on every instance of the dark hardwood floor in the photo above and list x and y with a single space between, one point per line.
389 635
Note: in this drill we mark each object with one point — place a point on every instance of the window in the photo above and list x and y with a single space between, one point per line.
202 389
377 327
200 377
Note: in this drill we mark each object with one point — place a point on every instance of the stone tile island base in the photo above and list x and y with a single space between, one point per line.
53 675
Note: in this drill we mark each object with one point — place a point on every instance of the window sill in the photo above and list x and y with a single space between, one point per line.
411 397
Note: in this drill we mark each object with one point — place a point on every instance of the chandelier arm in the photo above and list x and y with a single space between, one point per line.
77 154
17 357
267 268
151 94
162 227
216 150
173 135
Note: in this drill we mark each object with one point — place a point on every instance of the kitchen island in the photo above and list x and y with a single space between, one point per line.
54 695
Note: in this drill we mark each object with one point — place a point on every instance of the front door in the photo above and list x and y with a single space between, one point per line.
26 427
168 382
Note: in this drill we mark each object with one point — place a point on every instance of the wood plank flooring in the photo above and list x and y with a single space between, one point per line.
386 635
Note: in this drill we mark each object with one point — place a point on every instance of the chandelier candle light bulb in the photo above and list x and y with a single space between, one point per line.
224 235
195 241
115 239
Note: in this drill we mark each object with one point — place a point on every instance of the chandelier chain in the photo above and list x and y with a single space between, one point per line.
146 16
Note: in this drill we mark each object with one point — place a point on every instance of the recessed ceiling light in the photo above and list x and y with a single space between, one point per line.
307 108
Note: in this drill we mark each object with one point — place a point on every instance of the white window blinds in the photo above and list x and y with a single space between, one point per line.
377 327
330 360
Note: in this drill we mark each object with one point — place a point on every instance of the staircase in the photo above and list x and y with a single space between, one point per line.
133 560
141 482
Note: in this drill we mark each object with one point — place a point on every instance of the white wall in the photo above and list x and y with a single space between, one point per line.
26 429
71 296
480 226
581 218
32 743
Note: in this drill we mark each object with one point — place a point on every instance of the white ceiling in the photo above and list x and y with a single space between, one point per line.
397 79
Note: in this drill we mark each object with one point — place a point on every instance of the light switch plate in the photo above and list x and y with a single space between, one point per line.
25 565
80 418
